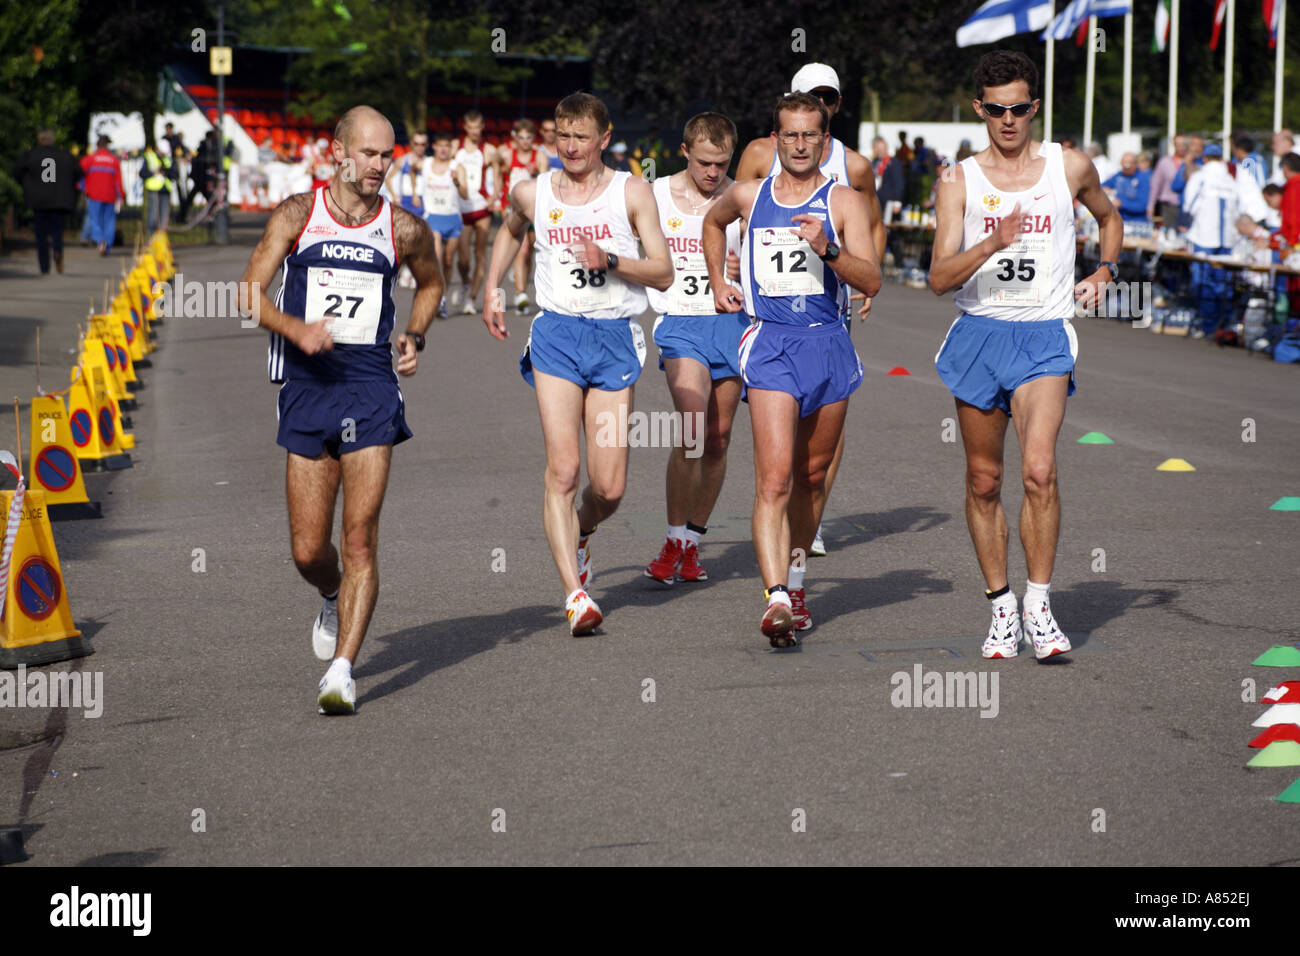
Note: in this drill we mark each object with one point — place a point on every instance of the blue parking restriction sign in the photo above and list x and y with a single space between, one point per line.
56 469
38 588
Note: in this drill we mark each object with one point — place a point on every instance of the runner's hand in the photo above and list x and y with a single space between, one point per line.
494 315
866 305
407 356
590 255
810 231
1088 292
314 338
1008 230
728 298
733 267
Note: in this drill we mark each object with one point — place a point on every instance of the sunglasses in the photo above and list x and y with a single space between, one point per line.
994 110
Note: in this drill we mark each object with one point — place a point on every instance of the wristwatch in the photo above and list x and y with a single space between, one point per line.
1114 270
613 261
417 338
831 254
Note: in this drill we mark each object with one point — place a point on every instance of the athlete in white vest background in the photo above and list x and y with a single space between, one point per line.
340 408
699 347
1004 242
584 351
520 161
479 161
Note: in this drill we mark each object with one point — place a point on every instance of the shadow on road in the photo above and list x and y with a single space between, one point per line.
409 656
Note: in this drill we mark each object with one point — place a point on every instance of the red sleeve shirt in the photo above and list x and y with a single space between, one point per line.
103 176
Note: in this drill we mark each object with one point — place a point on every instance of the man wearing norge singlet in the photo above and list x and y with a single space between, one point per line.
1005 241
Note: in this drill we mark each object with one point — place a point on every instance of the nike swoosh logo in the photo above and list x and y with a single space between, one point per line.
1044 196
627 376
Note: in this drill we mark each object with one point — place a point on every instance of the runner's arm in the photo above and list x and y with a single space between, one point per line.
756 160
656 269
950 265
713 234
1079 169
857 263
415 248
508 240
863 179
277 241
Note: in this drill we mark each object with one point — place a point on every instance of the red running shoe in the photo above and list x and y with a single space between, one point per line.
664 568
690 569
778 625
802 619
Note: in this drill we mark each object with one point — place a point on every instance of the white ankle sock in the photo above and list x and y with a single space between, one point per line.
1005 603
692 536
795 580
342 666
1036 594
677 532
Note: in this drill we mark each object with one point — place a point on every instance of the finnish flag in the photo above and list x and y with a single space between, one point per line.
1068 20
1003 18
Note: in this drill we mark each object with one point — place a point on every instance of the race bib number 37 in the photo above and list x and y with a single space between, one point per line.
1020 274
785 265
690 293
350 302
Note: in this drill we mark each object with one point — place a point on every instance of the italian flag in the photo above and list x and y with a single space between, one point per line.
1161 38
1220 9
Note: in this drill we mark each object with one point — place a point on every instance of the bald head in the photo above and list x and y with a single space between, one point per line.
359 121
45 137
1128 163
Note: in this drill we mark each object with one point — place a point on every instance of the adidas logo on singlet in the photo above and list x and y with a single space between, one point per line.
377 234
816 204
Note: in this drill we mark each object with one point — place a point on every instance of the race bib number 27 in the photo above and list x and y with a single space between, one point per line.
350 302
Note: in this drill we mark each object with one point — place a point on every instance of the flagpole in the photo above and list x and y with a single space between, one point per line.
1087 87
1050 68
1128 70
1173 73
1278 66
1230 26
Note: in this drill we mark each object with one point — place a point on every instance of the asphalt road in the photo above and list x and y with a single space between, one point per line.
476 706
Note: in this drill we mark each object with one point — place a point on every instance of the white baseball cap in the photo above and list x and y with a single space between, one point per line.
814 76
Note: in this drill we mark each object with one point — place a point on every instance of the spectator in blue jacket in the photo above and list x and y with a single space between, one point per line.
1130 188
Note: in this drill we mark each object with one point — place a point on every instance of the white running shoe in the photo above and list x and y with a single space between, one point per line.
818 549
583 614
325 632
468 308
338 692
521 302
584 565
1004 634
1044 633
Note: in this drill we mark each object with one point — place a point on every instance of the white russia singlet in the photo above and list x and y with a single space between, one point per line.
1033 278
441 198
478 178
563 284
690 293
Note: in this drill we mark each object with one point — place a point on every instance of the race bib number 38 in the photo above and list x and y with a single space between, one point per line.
350 302
1020 274
785 265
580 289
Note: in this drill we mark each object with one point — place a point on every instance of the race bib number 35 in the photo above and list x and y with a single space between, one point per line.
785 265
1020 274
350 302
